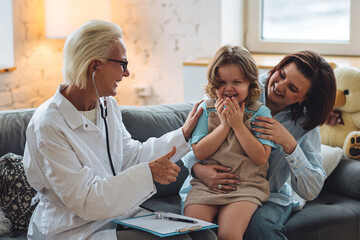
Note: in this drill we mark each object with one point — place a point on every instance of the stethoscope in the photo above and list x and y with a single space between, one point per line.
103 110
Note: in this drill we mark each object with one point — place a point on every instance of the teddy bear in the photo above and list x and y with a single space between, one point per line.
343 127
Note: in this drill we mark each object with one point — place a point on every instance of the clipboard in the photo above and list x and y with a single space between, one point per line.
165 227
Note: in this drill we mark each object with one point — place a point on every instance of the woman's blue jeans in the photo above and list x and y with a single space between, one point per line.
268 222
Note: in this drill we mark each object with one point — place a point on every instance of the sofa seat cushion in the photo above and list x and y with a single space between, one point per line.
330 216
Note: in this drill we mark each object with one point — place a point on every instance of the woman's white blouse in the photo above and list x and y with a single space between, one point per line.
66 161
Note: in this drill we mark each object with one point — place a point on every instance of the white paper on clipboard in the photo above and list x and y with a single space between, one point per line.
164 227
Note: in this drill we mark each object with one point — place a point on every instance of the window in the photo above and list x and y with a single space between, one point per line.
282 26
6 33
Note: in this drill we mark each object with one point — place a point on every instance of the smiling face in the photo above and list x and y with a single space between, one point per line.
286 87
110 73
232 83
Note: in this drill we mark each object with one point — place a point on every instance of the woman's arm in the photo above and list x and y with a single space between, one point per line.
303 155
307 173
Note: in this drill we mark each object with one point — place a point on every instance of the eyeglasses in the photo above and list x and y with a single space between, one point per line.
122 63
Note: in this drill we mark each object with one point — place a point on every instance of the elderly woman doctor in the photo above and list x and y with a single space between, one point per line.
79 156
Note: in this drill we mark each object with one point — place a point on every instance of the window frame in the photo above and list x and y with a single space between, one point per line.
254 43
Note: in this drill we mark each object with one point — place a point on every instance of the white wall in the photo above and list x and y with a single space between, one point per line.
159 34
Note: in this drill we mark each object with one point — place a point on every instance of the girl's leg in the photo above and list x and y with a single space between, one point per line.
234 218
201 211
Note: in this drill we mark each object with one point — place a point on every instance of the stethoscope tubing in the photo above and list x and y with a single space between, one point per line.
104 113
103 116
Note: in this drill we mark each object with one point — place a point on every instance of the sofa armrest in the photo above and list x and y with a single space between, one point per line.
345 179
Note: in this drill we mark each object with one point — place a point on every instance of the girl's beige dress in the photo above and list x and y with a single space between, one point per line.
253 188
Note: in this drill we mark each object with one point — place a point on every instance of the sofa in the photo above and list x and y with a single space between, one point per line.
334 214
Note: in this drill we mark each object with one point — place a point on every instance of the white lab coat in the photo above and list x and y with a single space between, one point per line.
66 161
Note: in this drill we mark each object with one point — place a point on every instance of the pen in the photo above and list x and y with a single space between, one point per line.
161 215
180 219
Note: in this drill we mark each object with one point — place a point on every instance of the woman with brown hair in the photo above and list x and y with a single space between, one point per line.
300 92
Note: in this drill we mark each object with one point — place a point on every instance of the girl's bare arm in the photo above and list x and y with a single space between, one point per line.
255 150
208 145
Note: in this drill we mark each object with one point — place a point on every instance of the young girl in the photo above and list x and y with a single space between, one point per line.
223 136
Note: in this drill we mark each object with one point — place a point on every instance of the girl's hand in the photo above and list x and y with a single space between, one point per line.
213 175
234 113
219 105
276 132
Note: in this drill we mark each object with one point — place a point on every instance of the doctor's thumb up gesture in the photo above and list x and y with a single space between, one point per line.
163 170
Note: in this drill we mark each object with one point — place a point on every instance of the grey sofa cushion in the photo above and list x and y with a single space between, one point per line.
154 121
345 179
13 125
329 217
141 121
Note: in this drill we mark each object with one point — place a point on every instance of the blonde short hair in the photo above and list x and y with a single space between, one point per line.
92 41
242 58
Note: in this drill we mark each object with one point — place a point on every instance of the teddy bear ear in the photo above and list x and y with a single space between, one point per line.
333 65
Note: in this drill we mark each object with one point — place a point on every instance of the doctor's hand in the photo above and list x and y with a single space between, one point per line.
192 120
163 170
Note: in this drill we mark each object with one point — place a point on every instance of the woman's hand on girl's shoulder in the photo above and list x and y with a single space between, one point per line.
271 129
191 120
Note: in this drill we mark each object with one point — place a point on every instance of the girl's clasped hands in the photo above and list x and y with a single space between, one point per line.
230 113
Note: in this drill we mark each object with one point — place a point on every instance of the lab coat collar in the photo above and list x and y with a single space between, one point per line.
71 115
